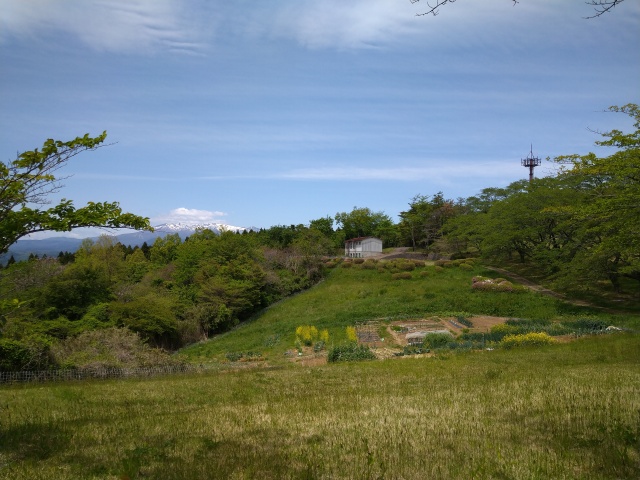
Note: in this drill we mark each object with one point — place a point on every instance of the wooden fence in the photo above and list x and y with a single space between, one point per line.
97 373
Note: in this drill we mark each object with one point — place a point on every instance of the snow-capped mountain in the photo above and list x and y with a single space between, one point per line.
54 245
193 227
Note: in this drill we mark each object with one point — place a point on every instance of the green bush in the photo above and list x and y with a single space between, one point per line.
586 325
436 340
349 352
31 353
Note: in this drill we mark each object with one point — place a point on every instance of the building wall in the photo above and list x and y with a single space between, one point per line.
362 247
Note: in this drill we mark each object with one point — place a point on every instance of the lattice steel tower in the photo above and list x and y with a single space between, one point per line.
531 162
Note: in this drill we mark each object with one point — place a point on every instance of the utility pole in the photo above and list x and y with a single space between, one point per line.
531 162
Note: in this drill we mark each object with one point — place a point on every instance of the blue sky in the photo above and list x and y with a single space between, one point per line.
280 112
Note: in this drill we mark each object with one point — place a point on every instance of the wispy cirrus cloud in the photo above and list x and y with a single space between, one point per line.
451 172
123 26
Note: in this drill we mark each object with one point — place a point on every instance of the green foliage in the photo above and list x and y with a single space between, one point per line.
349 352
436 340
152 316
579 227
30 178
29 353
72 292
422 224
363 222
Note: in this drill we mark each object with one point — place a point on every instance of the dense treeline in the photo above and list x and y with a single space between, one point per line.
170 294
579 226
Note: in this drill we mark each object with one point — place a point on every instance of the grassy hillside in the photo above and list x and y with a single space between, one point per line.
357 294
564 411
569 410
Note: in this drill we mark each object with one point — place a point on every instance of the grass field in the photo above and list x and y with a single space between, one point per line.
564 411
568 410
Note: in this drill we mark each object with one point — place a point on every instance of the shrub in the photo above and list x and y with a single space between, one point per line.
31 353
349 352
526 340
406 266
306 334
586 325
233 356
495 285
439 269
108 348
402 276
346 265
358 261
324 335
352 336
424 273
465 266
436 340
412 350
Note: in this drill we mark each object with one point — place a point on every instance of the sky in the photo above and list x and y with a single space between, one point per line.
257 114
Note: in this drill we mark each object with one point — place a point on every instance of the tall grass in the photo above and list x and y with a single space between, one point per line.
563 411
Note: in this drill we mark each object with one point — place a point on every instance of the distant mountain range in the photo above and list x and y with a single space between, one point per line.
52 246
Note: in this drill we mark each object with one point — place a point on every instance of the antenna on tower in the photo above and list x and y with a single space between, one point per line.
531 162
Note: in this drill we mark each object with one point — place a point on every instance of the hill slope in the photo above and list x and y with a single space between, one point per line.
358 294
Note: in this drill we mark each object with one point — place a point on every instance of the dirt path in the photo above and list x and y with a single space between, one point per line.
545 291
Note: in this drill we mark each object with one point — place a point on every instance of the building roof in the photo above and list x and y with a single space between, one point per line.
360 238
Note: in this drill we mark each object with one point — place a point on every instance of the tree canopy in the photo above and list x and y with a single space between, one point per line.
27 182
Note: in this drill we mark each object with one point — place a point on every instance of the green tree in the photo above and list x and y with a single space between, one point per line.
363 222
423 222
610 219
164 250
25 184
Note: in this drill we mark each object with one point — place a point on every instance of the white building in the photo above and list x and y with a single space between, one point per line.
362 247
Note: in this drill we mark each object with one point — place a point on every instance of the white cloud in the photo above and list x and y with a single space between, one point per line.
189 216
132 26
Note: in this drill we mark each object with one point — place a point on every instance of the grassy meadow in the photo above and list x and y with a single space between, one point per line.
568 410
565 411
